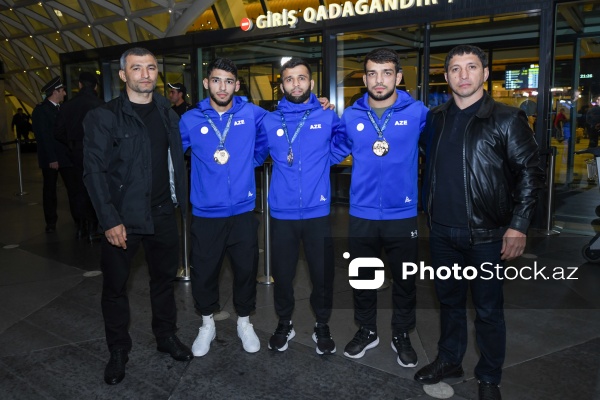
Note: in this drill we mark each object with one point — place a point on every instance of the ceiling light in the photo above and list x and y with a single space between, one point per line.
58 13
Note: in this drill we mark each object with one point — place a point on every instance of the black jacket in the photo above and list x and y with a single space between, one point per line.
49 150
117 165
501 170
69 123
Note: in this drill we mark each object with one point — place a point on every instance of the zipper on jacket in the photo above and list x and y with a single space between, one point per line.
467 202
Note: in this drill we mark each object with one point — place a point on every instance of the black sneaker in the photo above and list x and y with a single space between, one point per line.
489 391
363 340
323 339
283 334
407 357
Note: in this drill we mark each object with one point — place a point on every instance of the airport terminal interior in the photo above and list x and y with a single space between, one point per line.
52 343
544 58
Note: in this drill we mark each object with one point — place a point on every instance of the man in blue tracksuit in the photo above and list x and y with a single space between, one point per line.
298 136
221 134
382 130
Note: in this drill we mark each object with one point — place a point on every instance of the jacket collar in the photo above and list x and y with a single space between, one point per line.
159 100
485 111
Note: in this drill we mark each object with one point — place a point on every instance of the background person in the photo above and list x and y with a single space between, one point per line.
177 96
69 131
52 155
21 121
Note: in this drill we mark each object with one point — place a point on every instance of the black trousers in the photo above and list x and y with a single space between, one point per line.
162 257
315 235
49 192
212 238
399 240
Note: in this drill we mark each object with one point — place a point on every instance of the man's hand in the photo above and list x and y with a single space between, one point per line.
117 236
513 244
53 165
325 103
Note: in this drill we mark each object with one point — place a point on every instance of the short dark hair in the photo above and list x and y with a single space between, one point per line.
381 56
222 63
88 80
466 49
134 51
293 63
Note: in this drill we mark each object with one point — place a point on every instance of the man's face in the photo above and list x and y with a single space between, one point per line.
381 80
60 94
221 86
296 84
140 74
466 75
175 96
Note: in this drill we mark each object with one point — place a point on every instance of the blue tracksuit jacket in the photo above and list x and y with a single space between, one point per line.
382 188
229 189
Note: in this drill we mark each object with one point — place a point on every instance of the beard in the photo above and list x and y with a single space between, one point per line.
297 99
382 96
138 89
219 102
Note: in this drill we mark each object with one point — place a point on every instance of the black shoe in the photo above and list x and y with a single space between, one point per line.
438 370
323 339
363 340
489 391
282 335
115 369
407 357
50 228
175 348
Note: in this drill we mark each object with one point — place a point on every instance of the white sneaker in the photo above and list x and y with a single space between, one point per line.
206 334
249 339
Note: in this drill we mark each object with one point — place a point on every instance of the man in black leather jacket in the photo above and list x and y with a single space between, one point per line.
480 190
134 173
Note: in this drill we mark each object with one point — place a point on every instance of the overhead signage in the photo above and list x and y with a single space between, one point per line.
332 11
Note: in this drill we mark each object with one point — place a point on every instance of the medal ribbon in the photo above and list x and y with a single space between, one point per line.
377 128
220 135
300 125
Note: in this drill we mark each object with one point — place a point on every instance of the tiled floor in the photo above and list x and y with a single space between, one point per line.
52 338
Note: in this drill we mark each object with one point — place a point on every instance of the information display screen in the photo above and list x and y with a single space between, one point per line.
521 76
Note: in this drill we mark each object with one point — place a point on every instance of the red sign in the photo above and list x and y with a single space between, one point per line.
246 24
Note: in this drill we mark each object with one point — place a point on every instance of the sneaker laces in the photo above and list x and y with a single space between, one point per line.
322 331
404 340
361 336
283 329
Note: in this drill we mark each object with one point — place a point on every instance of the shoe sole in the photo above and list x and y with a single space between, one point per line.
367 347
285 346
319 352
409 365
198 354
457 374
